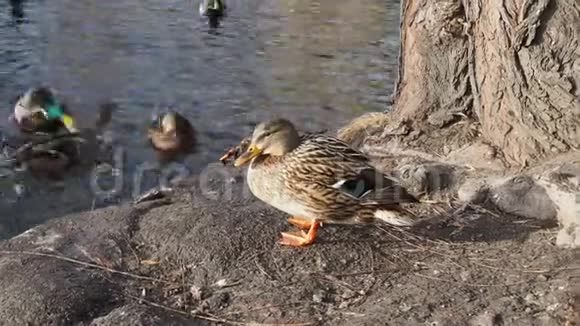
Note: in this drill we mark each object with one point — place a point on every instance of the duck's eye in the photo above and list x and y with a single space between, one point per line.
155 122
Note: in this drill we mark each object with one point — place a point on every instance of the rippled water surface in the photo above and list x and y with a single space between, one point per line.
318 63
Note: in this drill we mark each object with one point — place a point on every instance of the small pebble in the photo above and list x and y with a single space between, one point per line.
20 190
317 298
221 283
530 298
418 266
486 318
473 217
404 307
542 278
196 293
348 294
343 305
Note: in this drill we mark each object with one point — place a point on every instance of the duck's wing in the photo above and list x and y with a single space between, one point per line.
323 161
372 186
330 166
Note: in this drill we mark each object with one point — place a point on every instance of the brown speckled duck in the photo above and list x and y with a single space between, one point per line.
172 135
319 179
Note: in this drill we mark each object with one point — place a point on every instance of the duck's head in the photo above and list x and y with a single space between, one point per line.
211 8
276 138
165 124
173 133
42 101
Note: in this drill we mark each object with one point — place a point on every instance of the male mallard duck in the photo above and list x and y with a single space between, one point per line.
38 110
172 135
214 10
319 179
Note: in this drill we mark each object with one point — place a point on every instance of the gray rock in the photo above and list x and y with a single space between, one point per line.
568 237
473 191
522 196
431 178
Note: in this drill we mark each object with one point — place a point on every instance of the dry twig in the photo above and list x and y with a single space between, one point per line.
213 318
82 263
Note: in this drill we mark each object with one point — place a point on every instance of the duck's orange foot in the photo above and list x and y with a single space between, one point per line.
300 238
300 222
295 239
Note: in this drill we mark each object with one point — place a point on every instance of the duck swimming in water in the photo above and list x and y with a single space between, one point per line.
214 10
172 135
38 110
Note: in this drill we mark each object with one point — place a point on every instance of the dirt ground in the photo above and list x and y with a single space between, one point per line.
190 259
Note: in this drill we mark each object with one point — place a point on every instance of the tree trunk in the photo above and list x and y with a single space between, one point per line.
505 71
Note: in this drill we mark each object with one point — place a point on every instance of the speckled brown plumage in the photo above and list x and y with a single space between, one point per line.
321 161
320 178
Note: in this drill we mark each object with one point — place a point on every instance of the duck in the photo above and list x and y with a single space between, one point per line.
317 179
214 10
46 155
172 135
51 164
38 110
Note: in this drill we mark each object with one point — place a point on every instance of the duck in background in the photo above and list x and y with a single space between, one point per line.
50 160
38 110
52 142
172 136
214 10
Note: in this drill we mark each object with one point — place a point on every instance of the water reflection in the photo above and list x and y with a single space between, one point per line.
317 62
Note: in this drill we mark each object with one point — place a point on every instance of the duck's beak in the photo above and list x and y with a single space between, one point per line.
252 152
69 123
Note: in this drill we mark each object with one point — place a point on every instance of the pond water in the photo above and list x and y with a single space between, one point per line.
318 63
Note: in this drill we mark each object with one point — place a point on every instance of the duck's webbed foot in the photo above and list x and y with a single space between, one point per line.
301 223
300 238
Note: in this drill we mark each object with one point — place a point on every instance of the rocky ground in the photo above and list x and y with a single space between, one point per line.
198 258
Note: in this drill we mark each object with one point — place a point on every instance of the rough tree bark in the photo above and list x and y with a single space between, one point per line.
508 70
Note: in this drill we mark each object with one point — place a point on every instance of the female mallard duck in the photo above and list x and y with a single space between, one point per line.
38 110
171 136
319 179
47 155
